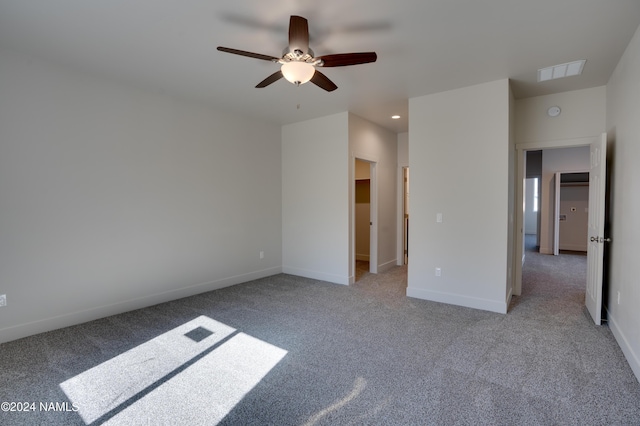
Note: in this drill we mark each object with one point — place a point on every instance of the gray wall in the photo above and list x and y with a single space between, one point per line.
315 198
583 115
623 130
460 167
318 169
114 198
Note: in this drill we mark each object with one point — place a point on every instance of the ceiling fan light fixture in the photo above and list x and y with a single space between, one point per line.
298 62
297 72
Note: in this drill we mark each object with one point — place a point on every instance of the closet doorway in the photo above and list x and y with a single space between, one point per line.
365 218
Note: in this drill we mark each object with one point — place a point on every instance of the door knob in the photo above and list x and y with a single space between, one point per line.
593 239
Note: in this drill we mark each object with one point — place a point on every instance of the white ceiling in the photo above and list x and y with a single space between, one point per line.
423 47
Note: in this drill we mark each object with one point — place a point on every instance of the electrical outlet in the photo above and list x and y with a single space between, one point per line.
261 255
618 298
3 300
438 272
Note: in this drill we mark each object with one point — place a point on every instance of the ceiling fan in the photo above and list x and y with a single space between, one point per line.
298 62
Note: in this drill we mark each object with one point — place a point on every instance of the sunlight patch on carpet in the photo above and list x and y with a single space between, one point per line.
358 387
195 373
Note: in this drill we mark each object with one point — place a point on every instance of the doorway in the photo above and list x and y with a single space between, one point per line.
571 212
532 213
595 163
365 213
547 160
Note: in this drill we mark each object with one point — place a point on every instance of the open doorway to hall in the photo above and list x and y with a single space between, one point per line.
570 218
556 199
575 156
532 213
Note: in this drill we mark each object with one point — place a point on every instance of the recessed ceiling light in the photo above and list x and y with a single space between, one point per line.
395 117
562 70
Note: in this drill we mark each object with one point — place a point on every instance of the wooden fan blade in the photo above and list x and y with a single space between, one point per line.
298 34
271 79
323 82
346 59
248 54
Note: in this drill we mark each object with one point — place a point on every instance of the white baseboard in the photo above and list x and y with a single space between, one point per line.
79 317
381 267
456 299
332 278
573 247
632 358
387 265
509 296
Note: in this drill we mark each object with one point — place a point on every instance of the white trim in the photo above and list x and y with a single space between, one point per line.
574 247
373 215
545 250
400 215
519 222
387 265
79 317
559 143
509 297
460 300
316 275
556 214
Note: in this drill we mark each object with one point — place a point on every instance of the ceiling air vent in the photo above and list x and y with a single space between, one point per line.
563 70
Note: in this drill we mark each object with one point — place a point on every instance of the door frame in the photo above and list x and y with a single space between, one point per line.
521 149
401 211
556 208
405 215
373 215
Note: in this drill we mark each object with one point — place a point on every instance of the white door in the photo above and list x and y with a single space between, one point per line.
556 216
373 217
595 248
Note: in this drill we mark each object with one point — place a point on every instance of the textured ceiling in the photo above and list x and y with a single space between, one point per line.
423 47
